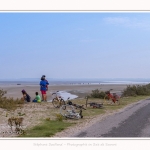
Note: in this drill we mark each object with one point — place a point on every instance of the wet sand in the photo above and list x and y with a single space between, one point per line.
79 90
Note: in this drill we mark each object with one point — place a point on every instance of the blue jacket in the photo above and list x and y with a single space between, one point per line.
43 85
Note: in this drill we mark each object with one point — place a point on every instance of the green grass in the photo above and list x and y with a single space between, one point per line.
107 107
47 129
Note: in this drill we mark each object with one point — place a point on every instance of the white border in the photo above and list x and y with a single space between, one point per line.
61 6
74 5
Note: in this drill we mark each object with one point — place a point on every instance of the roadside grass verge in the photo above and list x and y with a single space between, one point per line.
47 128
90 112
108 107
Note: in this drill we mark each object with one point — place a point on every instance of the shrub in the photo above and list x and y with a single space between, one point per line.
9 103
136 90
59 117
97 94
48 119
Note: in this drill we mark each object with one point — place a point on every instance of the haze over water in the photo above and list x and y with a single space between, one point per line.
35 81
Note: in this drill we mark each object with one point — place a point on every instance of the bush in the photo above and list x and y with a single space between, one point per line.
48 119
136 90
9 103
59 117
97 94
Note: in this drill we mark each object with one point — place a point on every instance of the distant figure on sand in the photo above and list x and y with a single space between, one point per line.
43 77
37 98
26 96
43 87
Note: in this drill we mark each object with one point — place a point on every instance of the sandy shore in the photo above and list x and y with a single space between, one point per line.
79 90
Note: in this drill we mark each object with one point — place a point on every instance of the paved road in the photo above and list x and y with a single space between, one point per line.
133 121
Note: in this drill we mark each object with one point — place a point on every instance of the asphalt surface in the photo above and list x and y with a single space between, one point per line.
133 121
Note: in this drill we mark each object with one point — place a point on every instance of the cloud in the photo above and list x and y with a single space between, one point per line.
128 22
116 20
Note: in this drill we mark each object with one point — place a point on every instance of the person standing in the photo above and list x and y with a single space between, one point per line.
43 87
46 82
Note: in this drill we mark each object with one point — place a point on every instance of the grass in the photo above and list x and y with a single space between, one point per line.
48 128
54 122
10 103
90 112
123 102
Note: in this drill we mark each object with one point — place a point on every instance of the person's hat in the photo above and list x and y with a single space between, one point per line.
43 76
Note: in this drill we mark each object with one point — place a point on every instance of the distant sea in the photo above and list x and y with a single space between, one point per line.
34 81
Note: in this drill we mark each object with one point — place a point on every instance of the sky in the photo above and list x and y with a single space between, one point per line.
74 45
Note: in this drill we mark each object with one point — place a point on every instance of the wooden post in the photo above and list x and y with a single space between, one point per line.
86 100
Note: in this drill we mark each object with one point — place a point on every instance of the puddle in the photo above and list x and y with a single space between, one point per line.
65 95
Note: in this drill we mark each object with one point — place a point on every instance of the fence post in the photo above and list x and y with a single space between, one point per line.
86 100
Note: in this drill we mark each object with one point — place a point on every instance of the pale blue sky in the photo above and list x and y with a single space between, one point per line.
75 45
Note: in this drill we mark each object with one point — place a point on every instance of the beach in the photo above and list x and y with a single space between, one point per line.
80 90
